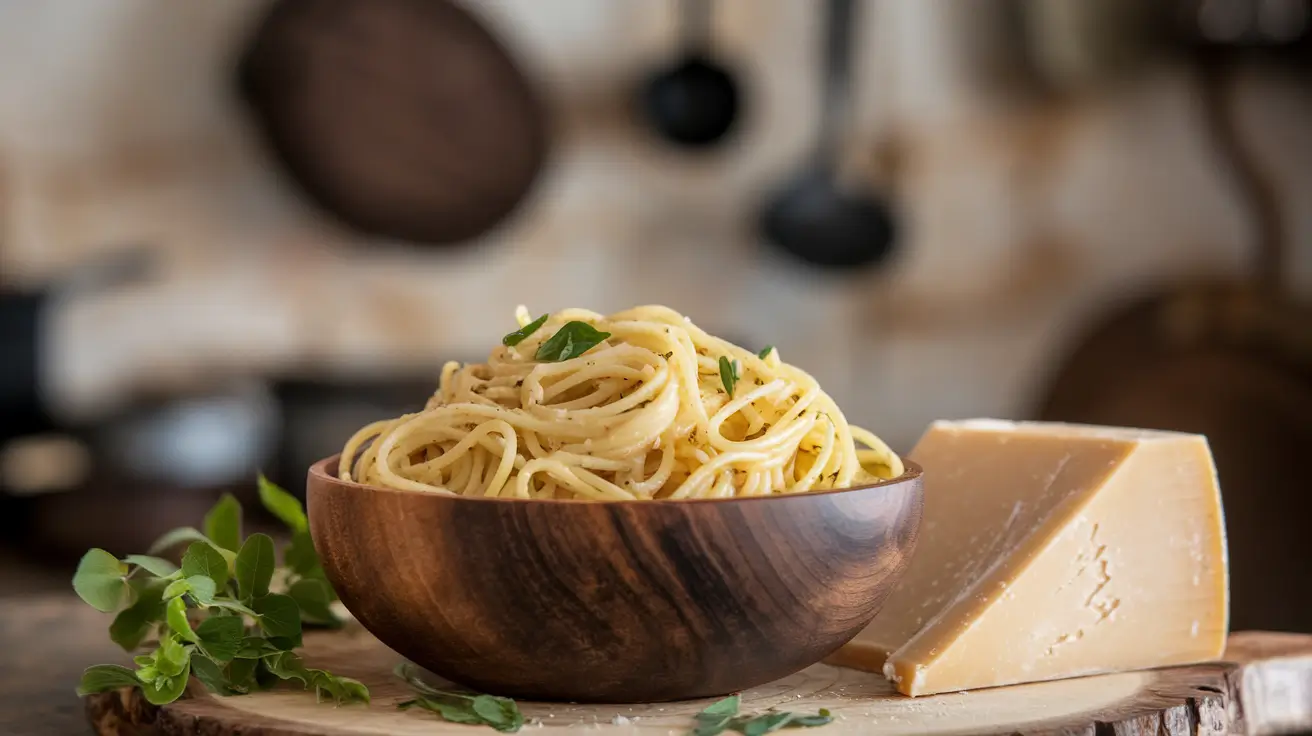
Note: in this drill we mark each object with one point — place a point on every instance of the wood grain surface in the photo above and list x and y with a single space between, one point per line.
1266 690
613 602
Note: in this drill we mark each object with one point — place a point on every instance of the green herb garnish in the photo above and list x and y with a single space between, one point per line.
570 341
518 336
765 351
472 708
728 374
214 616
723 716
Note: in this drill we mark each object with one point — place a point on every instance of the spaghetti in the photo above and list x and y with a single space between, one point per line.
637 405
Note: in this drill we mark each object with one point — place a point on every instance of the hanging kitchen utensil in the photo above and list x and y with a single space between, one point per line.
817 217
403 118
1232 361
694 101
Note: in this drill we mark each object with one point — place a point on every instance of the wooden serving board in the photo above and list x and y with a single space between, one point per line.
1265 689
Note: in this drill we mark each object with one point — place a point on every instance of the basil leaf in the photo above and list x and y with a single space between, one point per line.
157 566
728 374
283 505
223 523
202 589
104 677
221 636
518 336
765 351
99 580
171 657
176 615
312 597
354 689
717 717
499 713
766 723
166 690
211 675
203 559
279 615
255 566
725 707
133 624
570 341
503 714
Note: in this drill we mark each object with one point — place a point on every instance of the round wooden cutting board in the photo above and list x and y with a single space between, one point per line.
1267 688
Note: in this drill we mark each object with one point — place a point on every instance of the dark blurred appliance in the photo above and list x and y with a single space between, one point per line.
1232 361
404 119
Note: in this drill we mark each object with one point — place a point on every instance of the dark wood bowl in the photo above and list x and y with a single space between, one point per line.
637 601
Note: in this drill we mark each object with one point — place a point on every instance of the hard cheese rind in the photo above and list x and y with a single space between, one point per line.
1051 551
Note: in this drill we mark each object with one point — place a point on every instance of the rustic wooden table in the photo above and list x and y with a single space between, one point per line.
46 640
45 643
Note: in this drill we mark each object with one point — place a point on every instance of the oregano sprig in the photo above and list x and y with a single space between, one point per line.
216 615
457 707
722 716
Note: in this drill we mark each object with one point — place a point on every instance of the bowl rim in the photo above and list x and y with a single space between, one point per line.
912 471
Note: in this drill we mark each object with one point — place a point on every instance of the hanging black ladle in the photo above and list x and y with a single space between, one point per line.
815 217
694 102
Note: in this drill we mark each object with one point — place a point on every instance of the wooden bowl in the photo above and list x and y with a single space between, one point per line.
621 602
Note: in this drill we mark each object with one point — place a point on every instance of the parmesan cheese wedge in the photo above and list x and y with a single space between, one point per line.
1051 551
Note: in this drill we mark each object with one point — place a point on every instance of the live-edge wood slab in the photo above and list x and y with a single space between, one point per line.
1266 688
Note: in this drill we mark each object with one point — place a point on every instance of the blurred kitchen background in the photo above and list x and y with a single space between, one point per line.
233 232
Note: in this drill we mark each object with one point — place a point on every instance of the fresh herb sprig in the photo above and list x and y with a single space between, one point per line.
518 336
472 708
215 616
722 716
570 341
765 352
729 374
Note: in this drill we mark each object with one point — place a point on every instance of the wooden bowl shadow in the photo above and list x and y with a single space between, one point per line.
618 602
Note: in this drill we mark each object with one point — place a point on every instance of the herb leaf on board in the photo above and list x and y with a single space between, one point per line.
518 336
502 714
723 716
102 677
157 566
99 580
282 504
221 636
279 615
202 589
255 567
223 523
133 624
203 559
570 341
312 597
